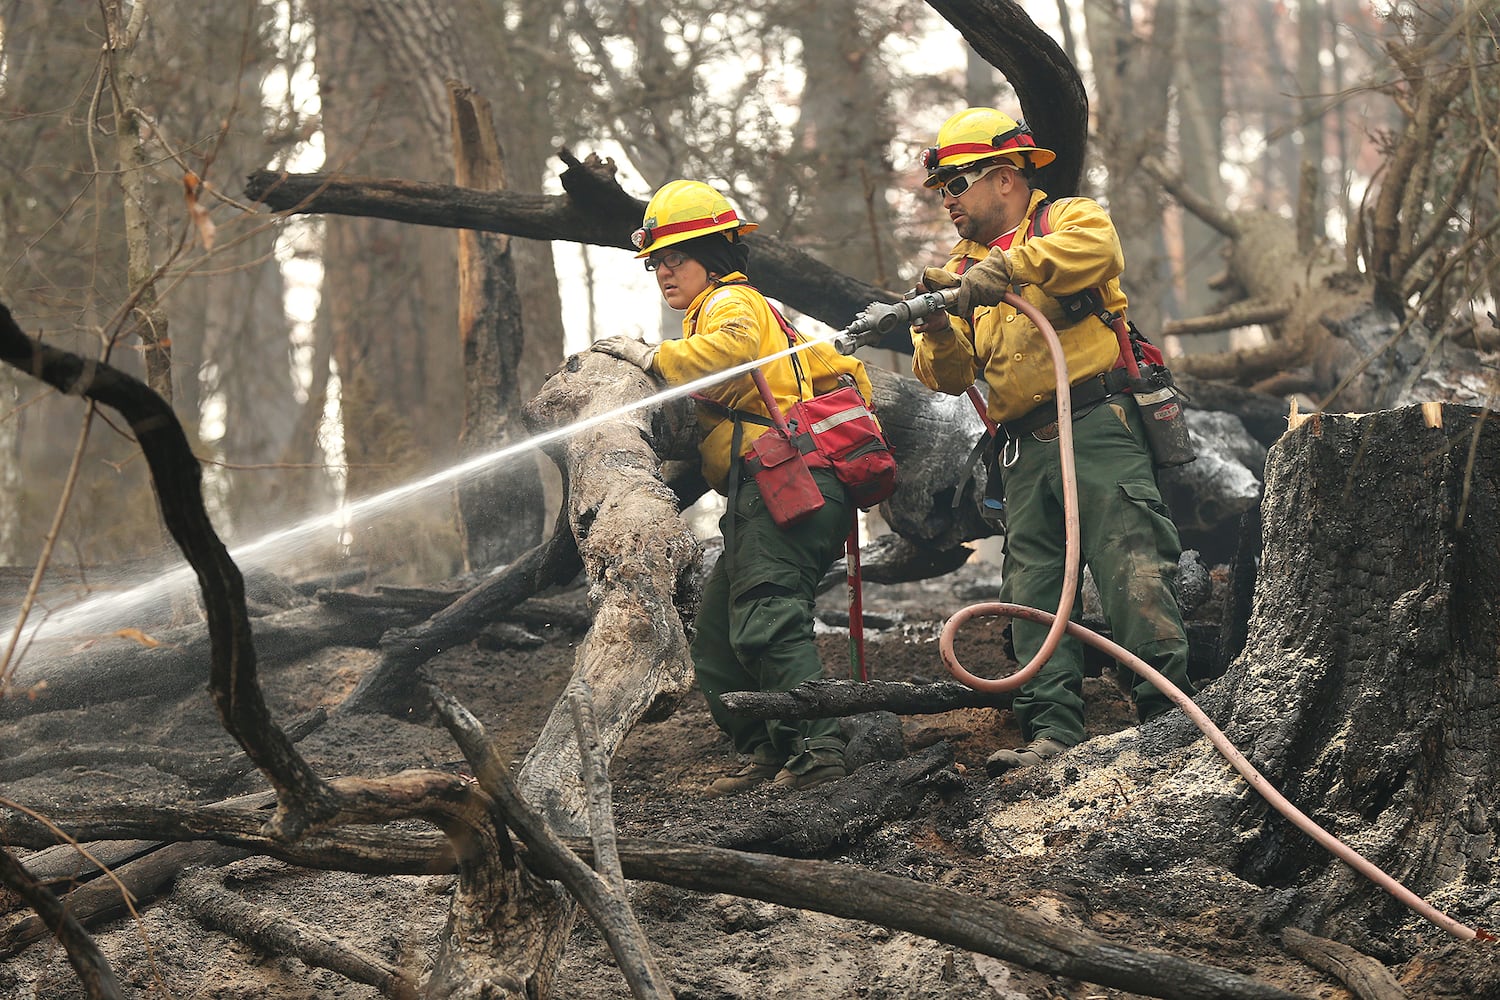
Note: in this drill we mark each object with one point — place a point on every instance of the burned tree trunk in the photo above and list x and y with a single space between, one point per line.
1370 681
502 513
1366 692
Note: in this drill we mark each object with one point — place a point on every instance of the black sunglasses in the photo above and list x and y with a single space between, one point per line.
673 259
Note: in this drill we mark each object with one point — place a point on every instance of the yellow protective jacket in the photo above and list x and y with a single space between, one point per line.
1003 347
729 324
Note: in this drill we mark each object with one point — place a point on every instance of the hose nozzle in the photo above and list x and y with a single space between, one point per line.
880 318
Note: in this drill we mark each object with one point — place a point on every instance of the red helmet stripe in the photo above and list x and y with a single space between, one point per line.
959 148
672 229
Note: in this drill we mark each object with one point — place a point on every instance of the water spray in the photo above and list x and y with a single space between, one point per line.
871 324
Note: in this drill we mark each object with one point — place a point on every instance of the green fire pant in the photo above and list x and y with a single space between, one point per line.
755 624
1128 541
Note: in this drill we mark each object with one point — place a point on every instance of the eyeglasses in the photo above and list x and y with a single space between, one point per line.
671 260
955 186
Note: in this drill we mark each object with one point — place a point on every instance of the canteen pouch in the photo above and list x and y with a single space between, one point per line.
786 485
1161 413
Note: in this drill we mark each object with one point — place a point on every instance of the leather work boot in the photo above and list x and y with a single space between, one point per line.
754 773
820 775
1034 752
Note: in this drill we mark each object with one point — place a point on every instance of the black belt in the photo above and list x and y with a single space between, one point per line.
1090 392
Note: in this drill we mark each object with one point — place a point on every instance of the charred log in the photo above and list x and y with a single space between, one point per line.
217 907
829 699
812 823
1366 978
933 911
117 668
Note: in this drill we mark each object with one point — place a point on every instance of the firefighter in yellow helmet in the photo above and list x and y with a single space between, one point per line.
754 629
1064 257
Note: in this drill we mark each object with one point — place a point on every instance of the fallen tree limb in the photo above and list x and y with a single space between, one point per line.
936 912
217 907
94 902
813 823
62 867
585 214
832 699
1366 977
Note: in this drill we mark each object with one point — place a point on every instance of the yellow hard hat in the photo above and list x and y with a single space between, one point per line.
976 134
681 210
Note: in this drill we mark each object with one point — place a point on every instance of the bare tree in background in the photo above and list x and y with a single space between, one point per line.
239 350
1199 82
1133 69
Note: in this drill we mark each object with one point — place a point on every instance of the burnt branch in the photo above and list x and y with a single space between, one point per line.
217 907
938 913
832 699
594 210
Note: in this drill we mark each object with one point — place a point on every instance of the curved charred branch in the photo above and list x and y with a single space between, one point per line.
594 210
176 476
394 687
94 970
1045 80
831 699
